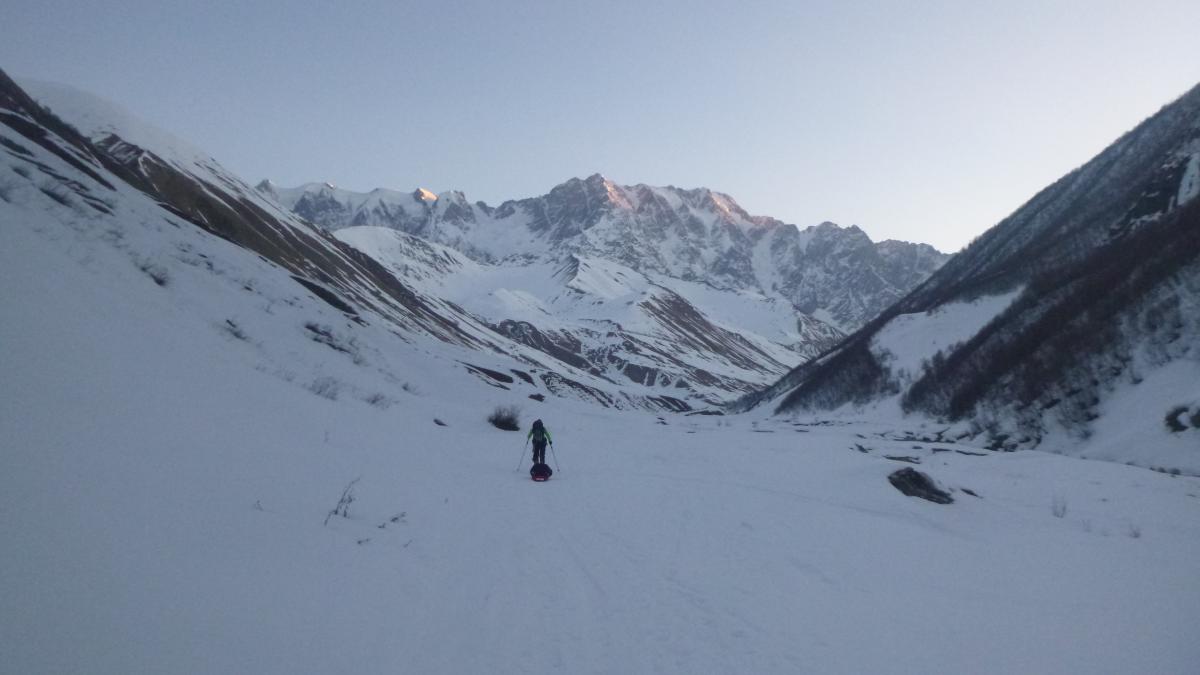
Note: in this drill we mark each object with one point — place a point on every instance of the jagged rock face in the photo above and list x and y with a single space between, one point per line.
840 273
698 235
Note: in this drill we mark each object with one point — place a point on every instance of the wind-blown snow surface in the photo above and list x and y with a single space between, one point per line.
164 483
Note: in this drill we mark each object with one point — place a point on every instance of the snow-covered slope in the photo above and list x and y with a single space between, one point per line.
1067 308
834 273
690 360
908 342
99 119
681 337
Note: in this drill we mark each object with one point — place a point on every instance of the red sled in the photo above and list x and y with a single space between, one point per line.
540 472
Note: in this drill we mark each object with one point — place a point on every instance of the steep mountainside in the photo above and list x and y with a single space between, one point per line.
1067 309
193 229
830 273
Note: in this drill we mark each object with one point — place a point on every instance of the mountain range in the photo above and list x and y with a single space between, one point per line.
833 274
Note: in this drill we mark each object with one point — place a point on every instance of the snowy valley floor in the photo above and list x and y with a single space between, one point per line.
162 538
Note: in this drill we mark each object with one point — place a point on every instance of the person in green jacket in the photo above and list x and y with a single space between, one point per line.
540 435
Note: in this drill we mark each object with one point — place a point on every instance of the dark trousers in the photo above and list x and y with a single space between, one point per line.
539 452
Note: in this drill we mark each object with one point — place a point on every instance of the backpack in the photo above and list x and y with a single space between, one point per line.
539 432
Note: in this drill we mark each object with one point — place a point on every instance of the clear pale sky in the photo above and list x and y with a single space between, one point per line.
924 121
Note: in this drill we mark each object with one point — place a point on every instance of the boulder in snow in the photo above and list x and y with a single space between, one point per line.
916 484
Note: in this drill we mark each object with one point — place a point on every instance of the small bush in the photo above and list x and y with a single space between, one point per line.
155 271
1173 421
325 387
325 335
379 401
231 327
342 508
507 418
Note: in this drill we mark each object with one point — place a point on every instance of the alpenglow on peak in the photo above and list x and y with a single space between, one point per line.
698 235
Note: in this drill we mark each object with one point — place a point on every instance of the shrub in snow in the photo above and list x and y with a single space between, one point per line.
342 508
325 387
397 519
379 401
235 330
1173 421
1178 418
507 418
155 271
338 343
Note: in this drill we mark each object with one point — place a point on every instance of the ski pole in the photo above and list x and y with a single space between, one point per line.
555 456
521 459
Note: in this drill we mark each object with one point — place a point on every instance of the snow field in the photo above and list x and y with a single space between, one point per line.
911 339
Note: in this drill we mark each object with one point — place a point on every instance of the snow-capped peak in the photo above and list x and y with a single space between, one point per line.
689 234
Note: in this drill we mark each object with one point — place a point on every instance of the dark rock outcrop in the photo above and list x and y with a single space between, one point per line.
916 484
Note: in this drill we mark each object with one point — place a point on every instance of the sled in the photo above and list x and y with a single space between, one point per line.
540 472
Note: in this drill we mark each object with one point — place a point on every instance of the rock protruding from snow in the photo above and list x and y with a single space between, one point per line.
1189 184
916 484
